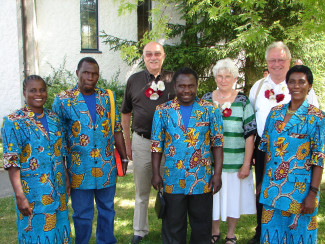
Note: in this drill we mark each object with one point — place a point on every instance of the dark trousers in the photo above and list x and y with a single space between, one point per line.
259 169
174 224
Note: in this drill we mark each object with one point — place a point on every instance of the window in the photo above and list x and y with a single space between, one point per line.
144 8
89 25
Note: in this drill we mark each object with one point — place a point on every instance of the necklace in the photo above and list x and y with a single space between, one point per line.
223 97
291 111
41 115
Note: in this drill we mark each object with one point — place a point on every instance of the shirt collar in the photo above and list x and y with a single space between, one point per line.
270 81
298 117
151 77
76 88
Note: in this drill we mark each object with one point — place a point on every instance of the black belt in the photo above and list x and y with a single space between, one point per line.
144 135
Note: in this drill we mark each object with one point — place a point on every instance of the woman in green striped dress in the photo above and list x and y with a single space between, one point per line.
236 196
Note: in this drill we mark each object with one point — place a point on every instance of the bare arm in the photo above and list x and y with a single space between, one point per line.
249 149
215 181
156 179
120 146
308 205
21 200
67 182
126 124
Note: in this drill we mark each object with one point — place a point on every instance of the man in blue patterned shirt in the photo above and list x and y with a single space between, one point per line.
85 113
188 131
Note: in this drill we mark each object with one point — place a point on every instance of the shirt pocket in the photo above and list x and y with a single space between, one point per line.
202 127
298 136
302 177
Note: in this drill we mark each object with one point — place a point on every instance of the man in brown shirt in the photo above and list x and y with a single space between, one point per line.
144 91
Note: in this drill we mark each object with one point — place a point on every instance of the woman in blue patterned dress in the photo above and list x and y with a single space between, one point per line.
33 151
236 196
293 139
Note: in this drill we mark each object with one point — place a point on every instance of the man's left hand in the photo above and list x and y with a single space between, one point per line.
156 181
125 167
215 183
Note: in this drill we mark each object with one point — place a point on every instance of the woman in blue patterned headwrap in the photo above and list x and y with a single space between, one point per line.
293 139
33 151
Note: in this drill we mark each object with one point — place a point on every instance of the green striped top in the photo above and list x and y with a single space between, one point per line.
237 127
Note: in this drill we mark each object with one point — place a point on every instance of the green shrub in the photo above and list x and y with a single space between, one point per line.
62 79
59 80
205 86
115 86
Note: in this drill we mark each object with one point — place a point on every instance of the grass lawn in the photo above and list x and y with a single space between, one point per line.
124 203
1 154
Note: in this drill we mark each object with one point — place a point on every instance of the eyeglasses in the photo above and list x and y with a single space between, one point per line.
149 55
273 61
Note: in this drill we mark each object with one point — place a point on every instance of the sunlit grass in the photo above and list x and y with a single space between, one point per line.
1 154
124 205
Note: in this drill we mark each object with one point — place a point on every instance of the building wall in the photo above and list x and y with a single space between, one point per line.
11 70
58 36
52 38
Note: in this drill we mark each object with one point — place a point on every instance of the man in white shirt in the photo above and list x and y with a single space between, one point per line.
265 94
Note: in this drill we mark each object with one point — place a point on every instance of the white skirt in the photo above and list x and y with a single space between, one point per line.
236 197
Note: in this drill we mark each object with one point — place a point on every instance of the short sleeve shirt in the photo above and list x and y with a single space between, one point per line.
188 165
91 161
139 104
39 156
291 152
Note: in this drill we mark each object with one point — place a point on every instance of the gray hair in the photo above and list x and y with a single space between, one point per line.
226 64
280 45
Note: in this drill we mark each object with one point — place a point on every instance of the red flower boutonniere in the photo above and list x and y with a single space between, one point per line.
225 108
279 97
270 94
155 90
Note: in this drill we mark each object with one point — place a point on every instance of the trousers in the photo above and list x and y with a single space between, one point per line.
142 174
174 224
82 202
259 170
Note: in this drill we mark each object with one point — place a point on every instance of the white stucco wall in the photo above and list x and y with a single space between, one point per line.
10 64
58 36
56 31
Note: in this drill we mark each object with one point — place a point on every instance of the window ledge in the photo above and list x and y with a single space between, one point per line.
90 51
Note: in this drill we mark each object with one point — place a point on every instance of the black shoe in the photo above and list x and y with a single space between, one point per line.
136 239
254 240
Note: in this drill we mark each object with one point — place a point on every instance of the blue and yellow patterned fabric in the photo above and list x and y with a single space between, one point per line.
91 161
39 156
188 165
291 153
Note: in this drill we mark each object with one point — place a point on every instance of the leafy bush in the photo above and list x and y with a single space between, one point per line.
59 80
115 86
62 79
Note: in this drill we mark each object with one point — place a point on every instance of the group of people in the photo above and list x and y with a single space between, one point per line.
200 151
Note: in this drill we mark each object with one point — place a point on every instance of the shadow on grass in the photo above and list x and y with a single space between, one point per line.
124 205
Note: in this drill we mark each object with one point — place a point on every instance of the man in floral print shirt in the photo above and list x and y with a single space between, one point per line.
188 131
85 113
